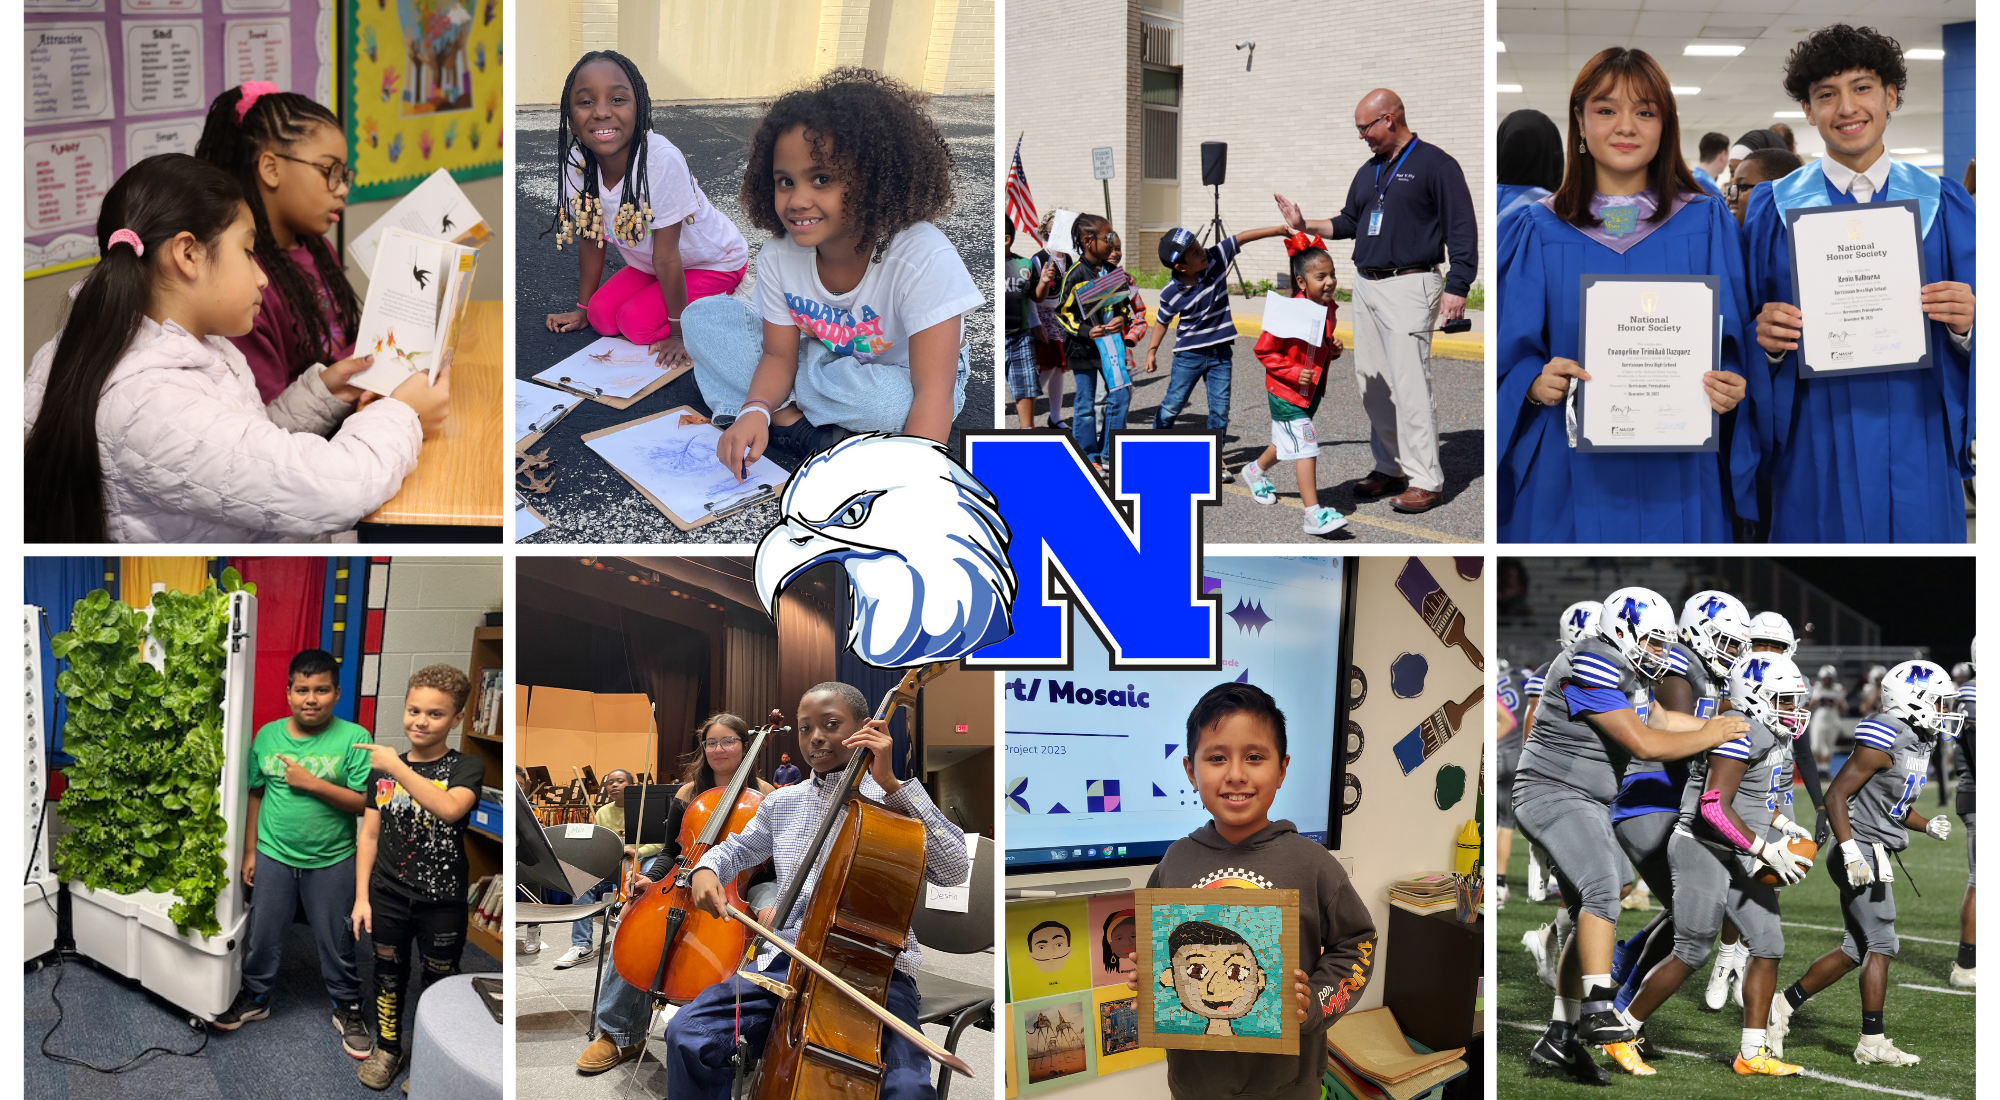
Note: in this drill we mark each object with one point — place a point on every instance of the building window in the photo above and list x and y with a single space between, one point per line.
1160 146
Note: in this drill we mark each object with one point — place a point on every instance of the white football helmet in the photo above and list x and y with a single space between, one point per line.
1828 672
1922 694
1640 624
1973 656
1716 626
1771 628
1770 688
1579 620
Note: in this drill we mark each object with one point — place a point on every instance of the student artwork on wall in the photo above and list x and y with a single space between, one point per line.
1013 1082
1117 1025
1052 1042
1114 933
1215 970
1049 948
422 92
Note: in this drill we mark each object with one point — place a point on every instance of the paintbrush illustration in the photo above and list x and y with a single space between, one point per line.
1437 727
1438 611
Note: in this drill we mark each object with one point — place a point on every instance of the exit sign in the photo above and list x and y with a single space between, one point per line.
962 728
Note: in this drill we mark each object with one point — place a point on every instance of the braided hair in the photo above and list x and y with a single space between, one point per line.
280 120
579 213
887 151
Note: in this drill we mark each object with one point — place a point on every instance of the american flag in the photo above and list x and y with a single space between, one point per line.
1020 202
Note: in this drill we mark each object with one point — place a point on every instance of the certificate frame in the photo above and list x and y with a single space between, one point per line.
1583 443
1792 218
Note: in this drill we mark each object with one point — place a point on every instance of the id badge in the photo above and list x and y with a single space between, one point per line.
1375 222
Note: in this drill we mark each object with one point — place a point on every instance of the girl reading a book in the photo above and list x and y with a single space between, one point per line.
621 182
410 870
289 156
856 325
144 422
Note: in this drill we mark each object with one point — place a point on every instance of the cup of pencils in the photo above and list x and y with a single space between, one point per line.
1471 892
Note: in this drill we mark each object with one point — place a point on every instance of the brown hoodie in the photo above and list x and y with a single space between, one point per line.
1336 950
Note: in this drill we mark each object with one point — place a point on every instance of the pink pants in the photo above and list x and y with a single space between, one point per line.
630 304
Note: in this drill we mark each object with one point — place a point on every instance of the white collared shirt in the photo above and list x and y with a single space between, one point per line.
1864 185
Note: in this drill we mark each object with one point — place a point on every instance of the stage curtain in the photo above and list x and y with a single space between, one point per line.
291 603
669 663
750 689
136 577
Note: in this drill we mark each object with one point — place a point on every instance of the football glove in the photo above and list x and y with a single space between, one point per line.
1790 866
1790 828
1939 828
1859 873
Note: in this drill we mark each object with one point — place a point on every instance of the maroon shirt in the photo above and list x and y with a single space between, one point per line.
275 347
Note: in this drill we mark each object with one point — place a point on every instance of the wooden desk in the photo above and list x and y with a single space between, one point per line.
457 481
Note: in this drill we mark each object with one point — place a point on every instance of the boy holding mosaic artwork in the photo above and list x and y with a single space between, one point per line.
1236 759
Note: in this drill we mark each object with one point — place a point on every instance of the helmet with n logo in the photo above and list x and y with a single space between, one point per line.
1579 621
1922 694
1638 622
1770 689
1768 628
1716 626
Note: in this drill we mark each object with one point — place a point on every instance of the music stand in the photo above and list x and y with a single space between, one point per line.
539 779
661 823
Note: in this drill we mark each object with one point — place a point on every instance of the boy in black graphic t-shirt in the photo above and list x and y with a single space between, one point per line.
410 871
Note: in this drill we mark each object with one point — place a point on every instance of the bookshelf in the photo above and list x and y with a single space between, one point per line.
483 852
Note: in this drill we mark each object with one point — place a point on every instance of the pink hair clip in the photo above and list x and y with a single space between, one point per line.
252 91
126 236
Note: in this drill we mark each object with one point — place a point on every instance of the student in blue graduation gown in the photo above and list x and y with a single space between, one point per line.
1875 457
1627 205
1530 160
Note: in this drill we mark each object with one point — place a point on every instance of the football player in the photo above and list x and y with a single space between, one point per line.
1964 972
1585 733
1872 807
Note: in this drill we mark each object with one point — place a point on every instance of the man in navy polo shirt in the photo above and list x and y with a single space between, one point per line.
1408 207
1199 295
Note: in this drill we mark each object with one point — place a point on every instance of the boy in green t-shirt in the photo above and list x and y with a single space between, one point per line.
305 794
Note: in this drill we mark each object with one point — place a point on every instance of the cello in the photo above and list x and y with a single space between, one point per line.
665 945
826 1035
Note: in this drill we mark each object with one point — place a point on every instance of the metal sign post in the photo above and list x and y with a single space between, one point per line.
1101 167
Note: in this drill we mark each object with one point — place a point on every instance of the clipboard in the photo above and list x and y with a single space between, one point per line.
541 428
521 505
766 493
620 403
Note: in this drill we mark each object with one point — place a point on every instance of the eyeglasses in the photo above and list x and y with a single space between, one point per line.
718 746
1734 191
338 175
1364 127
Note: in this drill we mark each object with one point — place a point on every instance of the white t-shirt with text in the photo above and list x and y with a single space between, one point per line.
709 240
920 282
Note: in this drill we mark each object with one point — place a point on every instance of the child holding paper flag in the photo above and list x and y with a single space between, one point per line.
1093 312
1295 347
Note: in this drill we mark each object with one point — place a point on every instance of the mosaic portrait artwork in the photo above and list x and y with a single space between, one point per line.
1215 969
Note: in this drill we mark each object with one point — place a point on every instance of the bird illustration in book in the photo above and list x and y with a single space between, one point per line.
422 277
921 539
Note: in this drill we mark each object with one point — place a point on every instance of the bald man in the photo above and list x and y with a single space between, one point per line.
1406 209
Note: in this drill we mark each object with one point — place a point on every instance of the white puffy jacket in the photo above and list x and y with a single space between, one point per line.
190 453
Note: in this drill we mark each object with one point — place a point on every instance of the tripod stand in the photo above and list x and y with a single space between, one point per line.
1213 233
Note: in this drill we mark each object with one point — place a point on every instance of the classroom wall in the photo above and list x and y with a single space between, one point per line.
699 49
47 297
431 608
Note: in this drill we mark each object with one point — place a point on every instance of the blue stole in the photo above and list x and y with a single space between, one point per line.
1809 187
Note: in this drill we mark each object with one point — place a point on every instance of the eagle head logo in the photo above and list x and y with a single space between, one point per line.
921 539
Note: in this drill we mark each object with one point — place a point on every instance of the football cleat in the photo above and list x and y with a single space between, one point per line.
1570 1058
1764 1062
1726 971
1964 977
1627 1057
1541 943
1882 1053
1599 1028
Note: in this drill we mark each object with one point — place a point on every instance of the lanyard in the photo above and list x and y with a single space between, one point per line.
1380 191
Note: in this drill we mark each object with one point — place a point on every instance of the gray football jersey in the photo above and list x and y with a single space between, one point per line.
1876 812
1767 758
1567 750
1685 663
1968 701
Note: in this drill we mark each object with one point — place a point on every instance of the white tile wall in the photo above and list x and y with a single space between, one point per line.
432 604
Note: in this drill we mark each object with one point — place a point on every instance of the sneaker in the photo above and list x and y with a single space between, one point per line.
1764 1062
573 956
1323 521
604 1054
1570 1058
1502 891
355 1037
1627 1057
381 1068
1779 1025
530 942
1728 971
1964 977
1882 1052
1600 1028
242 1010
1541 945
1261 488
1537 890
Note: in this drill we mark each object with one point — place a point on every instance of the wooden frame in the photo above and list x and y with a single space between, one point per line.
1259 917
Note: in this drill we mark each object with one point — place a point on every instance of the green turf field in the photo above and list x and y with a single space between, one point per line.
1936 1026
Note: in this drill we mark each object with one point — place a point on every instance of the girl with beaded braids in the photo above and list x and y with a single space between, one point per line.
858 296
289 155
622 183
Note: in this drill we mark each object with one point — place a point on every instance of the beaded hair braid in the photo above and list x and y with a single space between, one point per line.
581 214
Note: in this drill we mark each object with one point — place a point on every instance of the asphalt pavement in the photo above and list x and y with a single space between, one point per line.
589 501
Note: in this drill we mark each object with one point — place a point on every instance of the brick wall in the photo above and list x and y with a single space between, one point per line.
1073 85
433 604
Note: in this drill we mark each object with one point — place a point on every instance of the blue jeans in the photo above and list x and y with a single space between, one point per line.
328 896
1095 444
622 1010
701 1038
583 931
1210 363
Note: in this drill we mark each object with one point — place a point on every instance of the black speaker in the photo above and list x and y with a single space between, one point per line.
1214 162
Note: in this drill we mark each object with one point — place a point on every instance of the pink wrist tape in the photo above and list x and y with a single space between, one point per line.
1711 812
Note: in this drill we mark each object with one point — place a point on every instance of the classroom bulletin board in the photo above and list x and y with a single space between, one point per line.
112 82
423 92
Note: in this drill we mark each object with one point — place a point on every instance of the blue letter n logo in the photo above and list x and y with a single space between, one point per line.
1131 564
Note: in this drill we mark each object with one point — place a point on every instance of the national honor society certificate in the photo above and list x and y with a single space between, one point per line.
1646 342
1859 273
